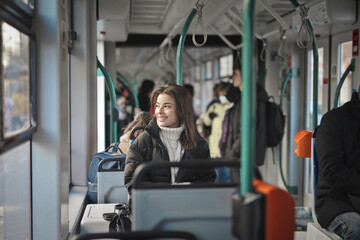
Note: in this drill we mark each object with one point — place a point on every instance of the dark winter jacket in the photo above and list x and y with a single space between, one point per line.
233 139
148 147
337 149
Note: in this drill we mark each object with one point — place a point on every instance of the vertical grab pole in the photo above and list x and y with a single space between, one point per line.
280 147
351 67
181 46
248 101
111 89
315 77
127 83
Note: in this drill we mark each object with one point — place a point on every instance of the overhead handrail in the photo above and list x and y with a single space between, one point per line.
233 23
248 101
181 46
232 46
350 68
316 68
274 14
130 86
151 56
112 94
289 188
237 14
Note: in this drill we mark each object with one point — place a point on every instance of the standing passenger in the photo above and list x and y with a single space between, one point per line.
232 146
338 186
170 137
213 119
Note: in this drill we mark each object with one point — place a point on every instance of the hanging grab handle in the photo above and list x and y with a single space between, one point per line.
304 39
199 8
282 50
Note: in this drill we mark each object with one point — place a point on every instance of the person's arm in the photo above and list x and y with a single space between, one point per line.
136 155
203 154
330 141
209 115
235 151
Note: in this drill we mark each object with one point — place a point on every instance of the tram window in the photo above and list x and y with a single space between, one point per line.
17 86
197 73
208 70
226 66
16 79
345 55
310 86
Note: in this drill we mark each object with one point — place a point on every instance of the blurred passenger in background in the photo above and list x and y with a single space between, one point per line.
230 143
214 119
123 119
195 101
146 88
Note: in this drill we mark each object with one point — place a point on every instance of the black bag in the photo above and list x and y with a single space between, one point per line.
93 168
119 219
275 123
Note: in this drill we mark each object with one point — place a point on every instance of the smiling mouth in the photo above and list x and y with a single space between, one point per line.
161 118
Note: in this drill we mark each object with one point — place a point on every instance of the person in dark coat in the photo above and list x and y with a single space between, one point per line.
337 149
169 137
232 145
146 87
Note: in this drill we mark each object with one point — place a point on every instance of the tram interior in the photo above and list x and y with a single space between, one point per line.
139 40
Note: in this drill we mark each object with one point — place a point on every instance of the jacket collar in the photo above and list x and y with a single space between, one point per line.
153 129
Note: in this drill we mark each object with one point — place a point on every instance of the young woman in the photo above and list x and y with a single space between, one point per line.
170 137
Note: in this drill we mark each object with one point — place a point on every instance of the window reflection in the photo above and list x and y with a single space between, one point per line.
226 66
16 80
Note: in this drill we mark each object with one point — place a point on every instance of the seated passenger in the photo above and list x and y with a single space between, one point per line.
338 186
170 137
141 119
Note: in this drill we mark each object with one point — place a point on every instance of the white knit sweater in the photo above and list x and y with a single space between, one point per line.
171 139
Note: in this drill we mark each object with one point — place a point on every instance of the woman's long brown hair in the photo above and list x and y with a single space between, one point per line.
185 111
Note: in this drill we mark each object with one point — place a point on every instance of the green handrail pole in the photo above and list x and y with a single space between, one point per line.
351 68
248 101
280 147
129 85
181 46
111 89
315 77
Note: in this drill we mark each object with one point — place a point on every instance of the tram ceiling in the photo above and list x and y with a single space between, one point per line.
117 19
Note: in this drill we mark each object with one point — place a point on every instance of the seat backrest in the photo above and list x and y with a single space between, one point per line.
207 213
111 187
204 209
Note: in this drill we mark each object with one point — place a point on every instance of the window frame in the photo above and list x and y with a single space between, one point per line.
24 28
19 9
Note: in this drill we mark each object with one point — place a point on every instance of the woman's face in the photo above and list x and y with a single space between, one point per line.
165 111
